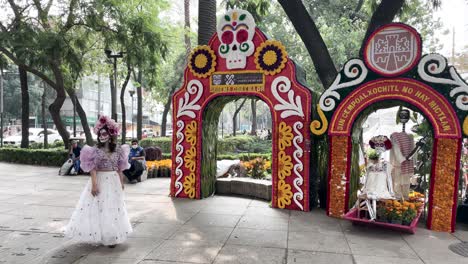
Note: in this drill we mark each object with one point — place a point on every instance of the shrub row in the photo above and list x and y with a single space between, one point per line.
243 143
44 157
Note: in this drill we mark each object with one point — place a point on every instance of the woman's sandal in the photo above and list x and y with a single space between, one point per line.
112 246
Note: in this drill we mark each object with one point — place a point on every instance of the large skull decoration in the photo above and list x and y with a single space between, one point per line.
236 30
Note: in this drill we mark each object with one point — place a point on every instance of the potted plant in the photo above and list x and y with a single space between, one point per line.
408 216
382 213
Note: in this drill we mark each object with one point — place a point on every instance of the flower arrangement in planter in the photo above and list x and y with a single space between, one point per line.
257 168
159 168
400 212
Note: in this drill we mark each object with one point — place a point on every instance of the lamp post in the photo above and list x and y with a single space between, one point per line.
132 92
114 56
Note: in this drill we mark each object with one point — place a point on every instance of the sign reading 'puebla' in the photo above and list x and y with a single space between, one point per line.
418 94
237 81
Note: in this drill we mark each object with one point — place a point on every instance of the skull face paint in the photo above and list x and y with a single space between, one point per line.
103 136
236 30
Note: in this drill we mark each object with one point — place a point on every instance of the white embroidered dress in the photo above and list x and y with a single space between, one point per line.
103 218
378 181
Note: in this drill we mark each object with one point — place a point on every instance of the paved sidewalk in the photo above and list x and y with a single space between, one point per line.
36 203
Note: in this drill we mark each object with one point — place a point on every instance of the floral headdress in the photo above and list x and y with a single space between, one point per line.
380 143
112 126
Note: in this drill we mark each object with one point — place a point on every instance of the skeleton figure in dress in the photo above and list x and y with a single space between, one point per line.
378 179
402 166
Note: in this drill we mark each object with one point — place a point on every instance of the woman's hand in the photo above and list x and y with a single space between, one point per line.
123 186
94 190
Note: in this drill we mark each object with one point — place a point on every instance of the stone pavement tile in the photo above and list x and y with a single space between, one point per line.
8 207
188 251
307 257
162 216
313 241
314 222
43 211
161 262
461 231
39 224
22 247
224 209
378 242
148 198
259 203
7 197
105 260
133 248
267 223
67 253
154 230
384 260
223 200
260 238
214 220
432 247
235 254
267 212
59 201
203 233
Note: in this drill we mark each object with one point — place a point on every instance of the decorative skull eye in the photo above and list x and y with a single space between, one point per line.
227 37
242 35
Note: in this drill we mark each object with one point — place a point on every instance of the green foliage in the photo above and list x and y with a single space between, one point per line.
164 143
243 143
54 145
372 154
43 157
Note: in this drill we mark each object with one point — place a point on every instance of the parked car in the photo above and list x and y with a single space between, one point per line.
148 133
36 135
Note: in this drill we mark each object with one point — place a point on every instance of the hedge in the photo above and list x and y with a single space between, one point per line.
243 143
164 143
44 157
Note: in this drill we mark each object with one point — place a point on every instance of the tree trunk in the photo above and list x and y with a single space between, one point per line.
82 114
113 94
23 74
122 103
188 45
384 14
43 114
308 31
234 125
206 20
139 105
167 107
254 117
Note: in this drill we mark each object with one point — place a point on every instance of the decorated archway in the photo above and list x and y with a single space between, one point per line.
240 61
392 69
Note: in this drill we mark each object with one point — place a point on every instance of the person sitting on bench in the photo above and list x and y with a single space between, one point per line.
136 158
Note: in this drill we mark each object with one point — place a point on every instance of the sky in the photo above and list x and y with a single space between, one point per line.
454 15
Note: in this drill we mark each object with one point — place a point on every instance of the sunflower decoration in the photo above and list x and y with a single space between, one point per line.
202 61
271 57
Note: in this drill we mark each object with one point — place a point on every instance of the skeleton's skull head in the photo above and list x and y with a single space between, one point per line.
236 30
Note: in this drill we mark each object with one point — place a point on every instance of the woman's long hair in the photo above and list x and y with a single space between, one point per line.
112 140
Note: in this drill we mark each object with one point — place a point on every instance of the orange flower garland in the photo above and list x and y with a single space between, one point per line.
444 176
339 163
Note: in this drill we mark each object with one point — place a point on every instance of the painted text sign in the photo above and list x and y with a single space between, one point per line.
433 105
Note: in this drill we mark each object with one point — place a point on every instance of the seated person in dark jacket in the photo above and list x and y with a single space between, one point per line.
136 158
74 154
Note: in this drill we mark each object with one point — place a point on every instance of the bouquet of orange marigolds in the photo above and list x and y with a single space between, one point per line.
400 212
256 168
159 168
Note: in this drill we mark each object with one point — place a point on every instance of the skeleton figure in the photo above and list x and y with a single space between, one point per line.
236 30
403 168
378 179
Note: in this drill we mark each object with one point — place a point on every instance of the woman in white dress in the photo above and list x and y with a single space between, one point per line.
100 216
